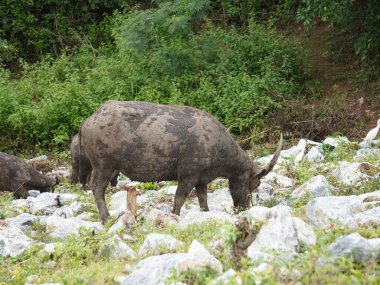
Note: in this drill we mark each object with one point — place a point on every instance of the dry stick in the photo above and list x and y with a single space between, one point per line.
249 233
131 199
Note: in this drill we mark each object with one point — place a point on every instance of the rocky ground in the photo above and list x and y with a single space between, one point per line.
315 220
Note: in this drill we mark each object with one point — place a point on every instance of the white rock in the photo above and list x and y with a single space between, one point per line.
301 150
22 203
262 268
352 245
46 203
157 244
169 190
161 219
336 141
69 211
351 173
257 255
34 193
315 187
220 200
228 277
61 171
120 278
61 227
278 232
155 269
265 187
117 248
13 241
323 212
50 247
148 196
23 220
274 178
305 233
315 154
118 203
363 152
196 218
368 218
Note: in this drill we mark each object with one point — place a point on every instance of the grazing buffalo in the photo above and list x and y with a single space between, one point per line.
19 177
153 142
74 149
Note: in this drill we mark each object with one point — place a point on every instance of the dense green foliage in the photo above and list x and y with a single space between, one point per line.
34 30
359 19
173 54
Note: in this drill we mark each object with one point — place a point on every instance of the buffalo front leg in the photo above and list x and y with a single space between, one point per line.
201 190
100 181
183 190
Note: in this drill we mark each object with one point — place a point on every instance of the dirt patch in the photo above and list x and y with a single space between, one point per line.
348 103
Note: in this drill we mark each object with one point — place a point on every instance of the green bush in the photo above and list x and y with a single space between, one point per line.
238 75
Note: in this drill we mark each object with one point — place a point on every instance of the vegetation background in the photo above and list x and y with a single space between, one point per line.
304 67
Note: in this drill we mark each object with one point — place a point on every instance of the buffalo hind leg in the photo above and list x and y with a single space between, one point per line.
201 190
183 190
100 181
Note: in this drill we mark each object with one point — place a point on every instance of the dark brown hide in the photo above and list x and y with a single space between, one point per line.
19 177
74 149
153 142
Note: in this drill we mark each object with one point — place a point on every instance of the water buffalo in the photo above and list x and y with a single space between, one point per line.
19 177
153 142
74 149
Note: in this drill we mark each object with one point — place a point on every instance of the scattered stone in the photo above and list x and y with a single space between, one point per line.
336 141
161 219
228 277
46 203
61 227
118 203
157 244
62 172
22 203
278 232
315 154
316 187
69 211
50 247
368 218
323 212
196 218
278 179
363 152
155 269
305 233
115 247
169 190
22 221
352 173
13 241
34 193
220 200
354 245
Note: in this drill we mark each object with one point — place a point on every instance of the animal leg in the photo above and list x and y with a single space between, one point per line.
201 190
100 181
114 179
183 190
21 192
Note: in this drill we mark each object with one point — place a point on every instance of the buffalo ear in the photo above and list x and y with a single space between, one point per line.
267 168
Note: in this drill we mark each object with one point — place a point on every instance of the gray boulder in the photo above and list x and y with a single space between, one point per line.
352 173
61 227
155 269
115 247
315 187
315 154
197 218
13 241
353 245
277 233
157 244
46 203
